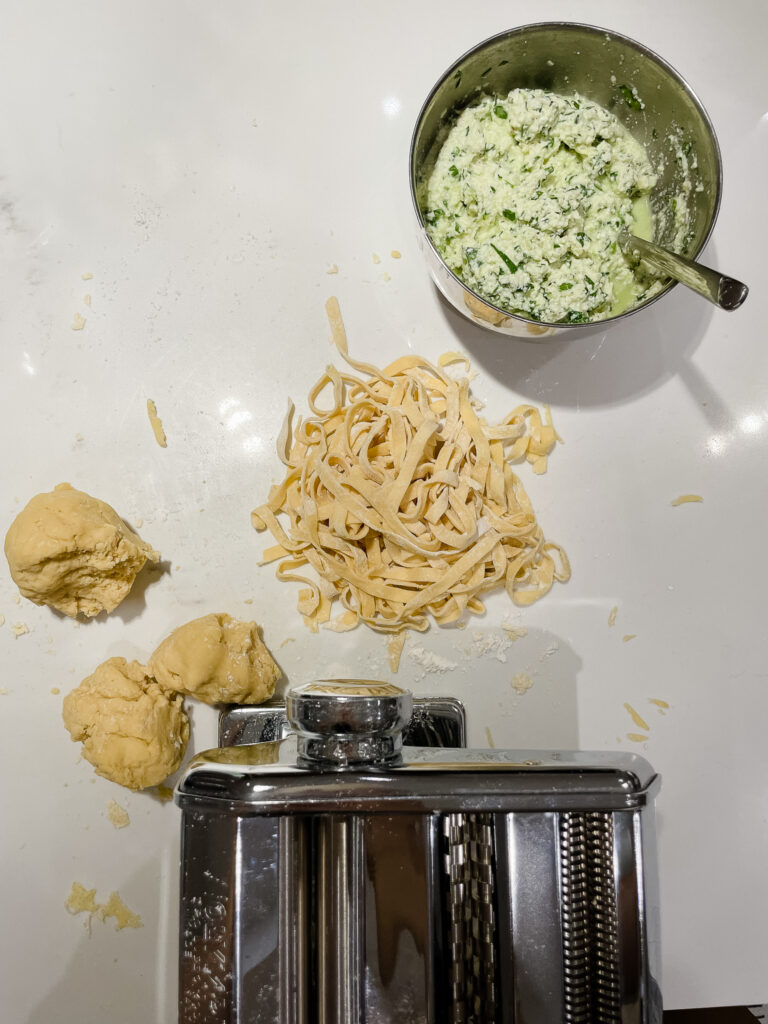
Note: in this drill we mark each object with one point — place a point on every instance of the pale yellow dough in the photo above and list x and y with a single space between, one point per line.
74 552
132 731
218 660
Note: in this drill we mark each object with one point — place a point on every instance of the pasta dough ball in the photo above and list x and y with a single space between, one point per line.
217 659
74 552
132 731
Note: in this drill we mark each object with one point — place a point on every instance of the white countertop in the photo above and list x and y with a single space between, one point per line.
208 163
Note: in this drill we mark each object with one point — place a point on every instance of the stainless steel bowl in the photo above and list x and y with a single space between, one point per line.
565 57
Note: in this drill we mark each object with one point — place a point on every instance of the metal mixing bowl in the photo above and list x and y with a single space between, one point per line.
565 57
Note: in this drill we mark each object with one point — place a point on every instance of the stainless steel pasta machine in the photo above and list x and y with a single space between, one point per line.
346 860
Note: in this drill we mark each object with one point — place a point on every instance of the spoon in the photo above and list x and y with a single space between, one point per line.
725 292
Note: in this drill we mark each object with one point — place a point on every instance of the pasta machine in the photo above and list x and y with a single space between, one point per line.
346 860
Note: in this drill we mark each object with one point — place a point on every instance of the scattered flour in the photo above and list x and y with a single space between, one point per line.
430 662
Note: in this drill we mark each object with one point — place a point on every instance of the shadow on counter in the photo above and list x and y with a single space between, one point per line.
521 696
596 366
106 978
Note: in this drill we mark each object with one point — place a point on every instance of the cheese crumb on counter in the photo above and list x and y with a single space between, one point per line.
612 615
637 737
78 323
86 276
396 254
628 636
376 258
333 269
19 629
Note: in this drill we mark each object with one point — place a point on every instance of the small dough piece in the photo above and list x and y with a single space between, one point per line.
132 731
218 660
74 552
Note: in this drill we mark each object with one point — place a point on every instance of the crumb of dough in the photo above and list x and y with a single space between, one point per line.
515 632
81 900
288 640
16 599
628 636
86 277
376 258
639 721
333 269
164 793
55 690
19 629
78 323
395 646
521 683
636 737
661 704
686 499
612 615
157 424
132 731
385 277
74 553
218 660
491 744
396 254
124 918
117 814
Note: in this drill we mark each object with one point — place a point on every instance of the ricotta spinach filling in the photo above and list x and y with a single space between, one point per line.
526 201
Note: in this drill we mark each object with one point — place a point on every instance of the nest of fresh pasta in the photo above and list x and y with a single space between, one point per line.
403 500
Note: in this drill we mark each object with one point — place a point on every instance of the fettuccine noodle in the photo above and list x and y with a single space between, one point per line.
402 500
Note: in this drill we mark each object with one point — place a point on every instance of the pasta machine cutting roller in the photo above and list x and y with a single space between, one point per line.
346 860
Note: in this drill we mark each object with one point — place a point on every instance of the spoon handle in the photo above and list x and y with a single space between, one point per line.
725 292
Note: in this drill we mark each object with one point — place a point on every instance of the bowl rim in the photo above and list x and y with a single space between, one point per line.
645 51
